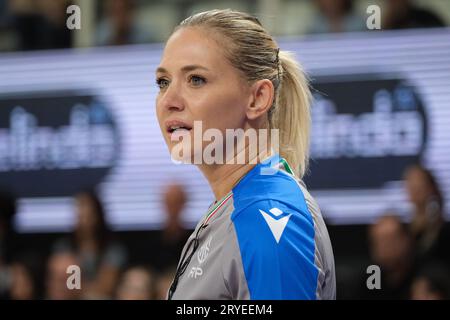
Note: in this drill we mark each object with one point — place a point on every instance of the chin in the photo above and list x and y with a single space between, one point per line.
178 155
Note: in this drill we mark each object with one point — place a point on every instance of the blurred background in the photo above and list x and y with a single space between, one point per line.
85 177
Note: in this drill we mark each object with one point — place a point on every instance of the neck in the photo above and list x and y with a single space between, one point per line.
223 177
397 275
85 237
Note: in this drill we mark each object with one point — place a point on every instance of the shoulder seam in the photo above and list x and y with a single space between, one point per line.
235 212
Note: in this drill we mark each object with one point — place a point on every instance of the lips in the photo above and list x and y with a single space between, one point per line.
177 127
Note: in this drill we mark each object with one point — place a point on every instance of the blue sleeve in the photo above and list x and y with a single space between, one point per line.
276 243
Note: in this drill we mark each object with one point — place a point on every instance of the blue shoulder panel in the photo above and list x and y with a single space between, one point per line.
275 232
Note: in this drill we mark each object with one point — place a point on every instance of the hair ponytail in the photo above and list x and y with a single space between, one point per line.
292 113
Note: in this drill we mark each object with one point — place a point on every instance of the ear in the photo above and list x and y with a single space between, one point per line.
262 92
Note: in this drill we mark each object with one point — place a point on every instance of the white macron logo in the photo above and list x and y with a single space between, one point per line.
276 225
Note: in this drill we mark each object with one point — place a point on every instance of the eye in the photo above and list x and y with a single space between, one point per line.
162 83
197 81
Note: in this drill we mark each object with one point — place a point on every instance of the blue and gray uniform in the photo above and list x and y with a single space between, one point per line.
266 239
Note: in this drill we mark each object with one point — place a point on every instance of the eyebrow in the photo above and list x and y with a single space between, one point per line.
184 69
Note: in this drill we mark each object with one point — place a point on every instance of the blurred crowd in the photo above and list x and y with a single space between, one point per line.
412 255
106 271
41 24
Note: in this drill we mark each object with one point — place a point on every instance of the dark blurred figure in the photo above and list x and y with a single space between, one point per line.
337 16
427 225
120 26
3 13
136 283
164 282
22 283
7 233
56 278
173 236
8 240
100 256
403 14
392 250
26 276
431 283
40 24
7 39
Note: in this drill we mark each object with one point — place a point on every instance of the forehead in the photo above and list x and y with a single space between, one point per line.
415 174
192 45
386 226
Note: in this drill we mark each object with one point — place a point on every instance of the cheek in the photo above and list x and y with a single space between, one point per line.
158 112
160 118
221 111
413 190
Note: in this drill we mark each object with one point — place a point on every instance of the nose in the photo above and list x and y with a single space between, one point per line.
171 99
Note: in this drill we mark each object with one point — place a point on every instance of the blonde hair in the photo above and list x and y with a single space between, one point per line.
253 51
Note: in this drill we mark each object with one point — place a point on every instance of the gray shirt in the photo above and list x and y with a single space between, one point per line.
266 239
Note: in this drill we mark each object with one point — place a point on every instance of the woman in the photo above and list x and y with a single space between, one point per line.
427 224
101 258
263 237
